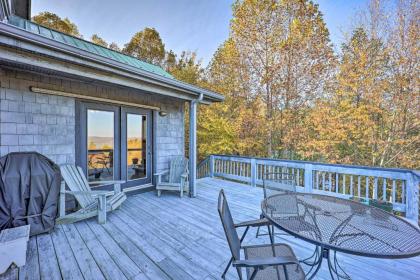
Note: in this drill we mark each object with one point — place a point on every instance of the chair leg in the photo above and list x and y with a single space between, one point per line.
102 210
254 273
231 259
258 233
181 192
270 234
243 235
227 268
158 193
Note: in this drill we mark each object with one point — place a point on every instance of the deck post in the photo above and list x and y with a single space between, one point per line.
253 172
308 180
211 166
193 147
412 197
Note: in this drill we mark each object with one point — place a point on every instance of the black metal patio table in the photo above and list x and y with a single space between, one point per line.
339 225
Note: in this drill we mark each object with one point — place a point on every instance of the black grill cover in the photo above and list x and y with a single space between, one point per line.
29 190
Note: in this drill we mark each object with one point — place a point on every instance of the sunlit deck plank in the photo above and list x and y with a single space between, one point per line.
173 238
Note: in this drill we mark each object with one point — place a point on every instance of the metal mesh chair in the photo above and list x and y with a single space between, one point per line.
271 261
277 183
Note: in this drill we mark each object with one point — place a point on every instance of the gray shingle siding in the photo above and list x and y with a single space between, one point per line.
47 124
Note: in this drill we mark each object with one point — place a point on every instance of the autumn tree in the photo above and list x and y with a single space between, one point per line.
114 46
373 116
53 21
147 46
98 40
346 126
285 46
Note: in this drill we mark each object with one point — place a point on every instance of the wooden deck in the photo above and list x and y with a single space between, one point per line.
171 238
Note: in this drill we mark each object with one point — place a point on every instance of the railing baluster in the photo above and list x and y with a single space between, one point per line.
316 179
323 181
375 188
351 186
329 181
403 191
394 186
358 185
344 184
367 188
336 182
384 189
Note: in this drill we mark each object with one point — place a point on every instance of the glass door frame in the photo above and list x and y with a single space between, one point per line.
136 111
82 139
120 141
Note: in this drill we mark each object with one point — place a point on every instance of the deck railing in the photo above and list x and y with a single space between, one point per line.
399 186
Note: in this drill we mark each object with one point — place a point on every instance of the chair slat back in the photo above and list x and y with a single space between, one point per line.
76 181
229 226
275 183
177 167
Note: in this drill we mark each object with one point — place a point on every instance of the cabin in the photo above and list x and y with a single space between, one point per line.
120 118
117 117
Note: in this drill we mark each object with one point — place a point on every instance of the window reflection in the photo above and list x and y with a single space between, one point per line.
100 137
136 146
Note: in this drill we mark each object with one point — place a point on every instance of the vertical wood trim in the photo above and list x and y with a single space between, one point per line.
193 147
211 163
253 172
154 156
308 183
412 189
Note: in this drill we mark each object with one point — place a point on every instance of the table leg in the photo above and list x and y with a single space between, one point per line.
314 262
336 271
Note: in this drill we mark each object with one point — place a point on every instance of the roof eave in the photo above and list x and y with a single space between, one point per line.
21 34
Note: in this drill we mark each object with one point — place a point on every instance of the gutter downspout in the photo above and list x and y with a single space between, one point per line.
193 145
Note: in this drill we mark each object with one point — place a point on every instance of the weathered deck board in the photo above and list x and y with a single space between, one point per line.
172 238
84 258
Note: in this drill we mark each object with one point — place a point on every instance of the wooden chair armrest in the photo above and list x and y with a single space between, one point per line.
106 182
87 193
161 173
184 175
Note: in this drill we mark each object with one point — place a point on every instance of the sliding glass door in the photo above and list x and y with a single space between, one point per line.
114 143
136 146
100 145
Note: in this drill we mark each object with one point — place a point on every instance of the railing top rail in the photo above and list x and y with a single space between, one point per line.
302 162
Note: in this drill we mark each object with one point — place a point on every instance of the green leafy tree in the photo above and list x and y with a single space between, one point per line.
187 68
53 21
147 46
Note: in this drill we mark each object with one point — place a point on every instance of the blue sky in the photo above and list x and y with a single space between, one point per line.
196 25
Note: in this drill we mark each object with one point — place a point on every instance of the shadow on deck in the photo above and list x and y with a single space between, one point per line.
172 238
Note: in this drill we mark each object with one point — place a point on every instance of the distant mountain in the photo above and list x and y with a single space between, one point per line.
108 141
101 141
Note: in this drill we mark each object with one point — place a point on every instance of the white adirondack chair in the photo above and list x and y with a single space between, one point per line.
177 177
92 203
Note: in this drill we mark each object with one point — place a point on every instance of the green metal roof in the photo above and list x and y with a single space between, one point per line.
86 45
